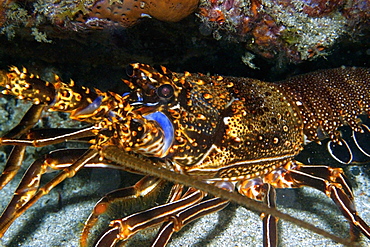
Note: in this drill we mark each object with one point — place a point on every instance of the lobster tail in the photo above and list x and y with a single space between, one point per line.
330 99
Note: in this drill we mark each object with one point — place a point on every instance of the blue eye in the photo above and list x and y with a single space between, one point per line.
165 91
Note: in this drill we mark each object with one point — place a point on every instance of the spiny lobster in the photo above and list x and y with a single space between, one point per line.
233 133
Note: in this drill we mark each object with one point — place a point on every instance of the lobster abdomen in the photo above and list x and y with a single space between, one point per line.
328 100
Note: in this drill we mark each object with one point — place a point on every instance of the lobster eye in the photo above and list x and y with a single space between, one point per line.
165 91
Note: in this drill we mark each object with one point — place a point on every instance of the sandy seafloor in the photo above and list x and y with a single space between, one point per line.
57 219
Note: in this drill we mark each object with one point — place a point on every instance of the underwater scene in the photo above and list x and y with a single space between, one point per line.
268 99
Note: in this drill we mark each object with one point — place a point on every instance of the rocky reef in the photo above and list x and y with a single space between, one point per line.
283 31
293 29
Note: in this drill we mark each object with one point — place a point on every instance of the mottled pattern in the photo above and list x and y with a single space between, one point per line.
254 127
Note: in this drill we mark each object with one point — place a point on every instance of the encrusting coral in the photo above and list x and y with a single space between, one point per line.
284 30
127 13
293 29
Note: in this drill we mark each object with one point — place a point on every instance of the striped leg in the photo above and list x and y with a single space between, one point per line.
13 164
353 146
30 181
143 187
180 219
15 158
28 191
258 190
270 235
123 229
333 183
184 217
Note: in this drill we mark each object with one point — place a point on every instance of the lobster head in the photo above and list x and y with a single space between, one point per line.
186 108
147 127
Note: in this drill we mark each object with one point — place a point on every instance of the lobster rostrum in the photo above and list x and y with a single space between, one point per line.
234 133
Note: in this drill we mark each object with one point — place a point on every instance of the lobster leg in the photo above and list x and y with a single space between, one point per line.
177 221
361 140
12 166
28 191
57 160
123 229
15 159
180 211
269 221
353 146
146 185
182 218
258 190
166 230
332 182
29 119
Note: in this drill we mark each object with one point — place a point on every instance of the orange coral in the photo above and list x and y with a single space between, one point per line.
126 13
171 10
